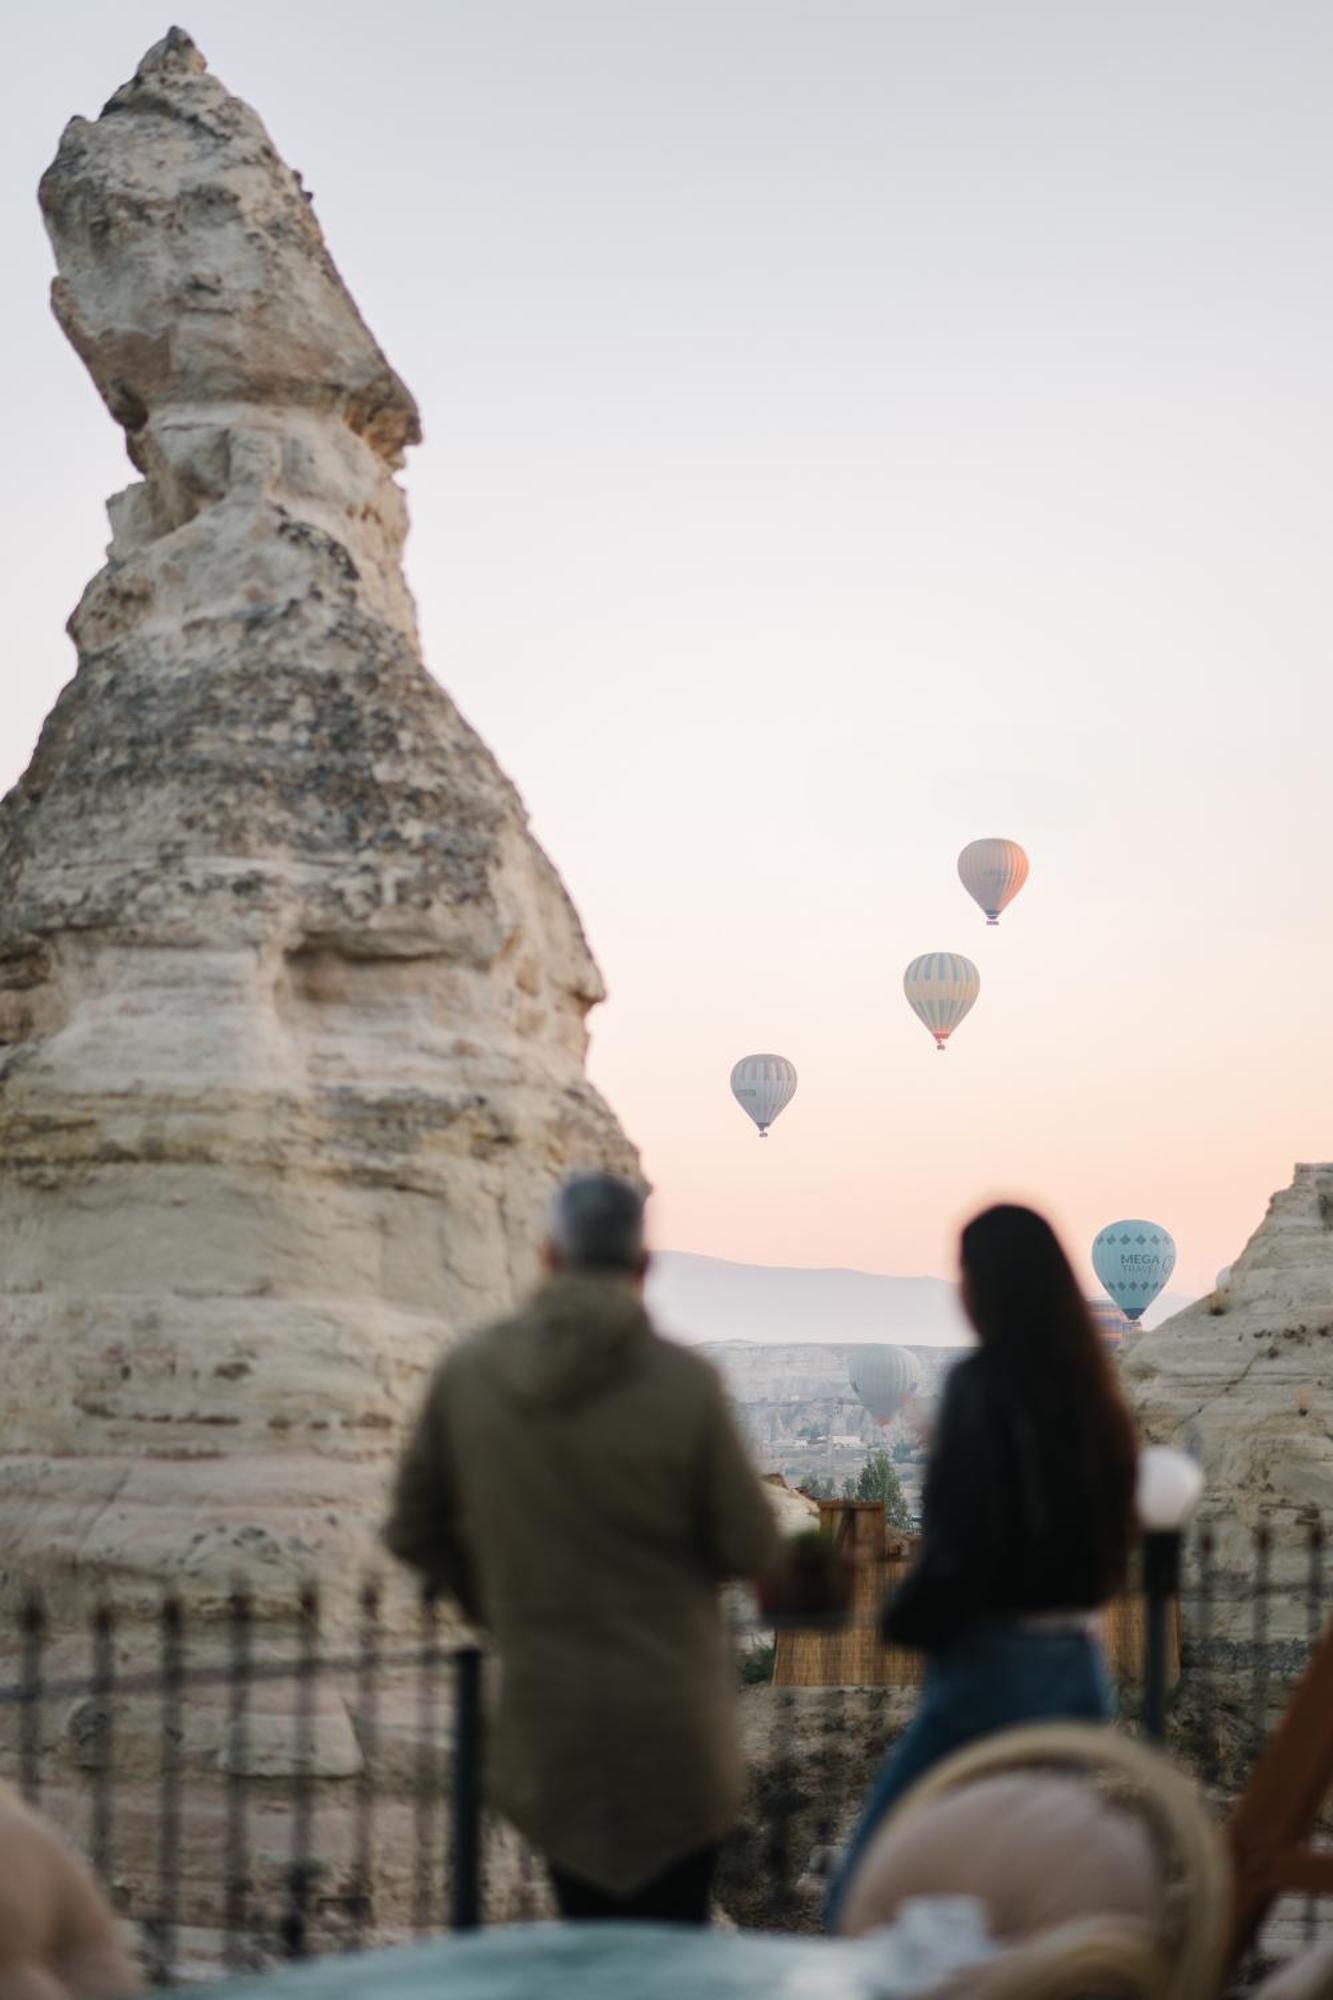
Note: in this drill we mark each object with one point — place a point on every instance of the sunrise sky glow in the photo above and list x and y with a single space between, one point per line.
850 429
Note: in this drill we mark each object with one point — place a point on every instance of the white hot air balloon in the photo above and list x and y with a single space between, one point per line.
992 872
941 988
763 1086
883 1377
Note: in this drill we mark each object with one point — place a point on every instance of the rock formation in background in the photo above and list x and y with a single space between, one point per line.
1244 1380
292 1004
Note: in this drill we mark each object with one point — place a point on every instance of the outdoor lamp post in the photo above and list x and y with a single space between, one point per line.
1167 1492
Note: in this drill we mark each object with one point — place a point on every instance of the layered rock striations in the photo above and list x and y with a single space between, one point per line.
292 1004
1244 1377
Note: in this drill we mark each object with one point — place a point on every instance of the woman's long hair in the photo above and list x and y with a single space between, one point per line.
1025 1303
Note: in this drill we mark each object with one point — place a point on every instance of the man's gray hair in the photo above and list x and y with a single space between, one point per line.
596 1224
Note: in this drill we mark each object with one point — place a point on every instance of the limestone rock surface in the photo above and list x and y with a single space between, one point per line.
292 1005
1244 1377
1244 1380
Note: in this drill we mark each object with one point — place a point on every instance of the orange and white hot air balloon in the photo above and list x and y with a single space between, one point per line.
992 872
941 987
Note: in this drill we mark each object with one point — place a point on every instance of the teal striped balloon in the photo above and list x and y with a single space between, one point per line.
1133 1260
941 987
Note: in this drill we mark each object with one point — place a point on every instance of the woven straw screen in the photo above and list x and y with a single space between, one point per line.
854 1655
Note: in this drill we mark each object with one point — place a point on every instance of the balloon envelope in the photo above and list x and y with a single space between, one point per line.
941 987
763 1086
883 1377
1133 1261
992 872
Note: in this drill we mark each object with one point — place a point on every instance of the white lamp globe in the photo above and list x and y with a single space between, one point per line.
1167 1490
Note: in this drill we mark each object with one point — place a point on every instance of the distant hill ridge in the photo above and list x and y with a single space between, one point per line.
704 1300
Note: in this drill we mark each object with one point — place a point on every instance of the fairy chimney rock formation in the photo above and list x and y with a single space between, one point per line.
1244 1379
292 1004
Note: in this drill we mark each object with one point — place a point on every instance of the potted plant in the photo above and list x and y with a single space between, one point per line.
813 1581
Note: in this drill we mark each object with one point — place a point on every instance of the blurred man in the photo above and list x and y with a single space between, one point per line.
577 1483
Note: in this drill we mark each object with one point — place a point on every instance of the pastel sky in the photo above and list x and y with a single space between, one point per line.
852 427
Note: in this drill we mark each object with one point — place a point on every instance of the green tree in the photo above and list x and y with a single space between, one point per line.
879 1481
818 1489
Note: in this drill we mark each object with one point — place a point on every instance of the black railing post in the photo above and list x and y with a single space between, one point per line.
1314 1618
236 1763
465 1903
1259 1644
166 1925
32 1631
426 1789
104 1739
301 1870
1161 1581
368 1732
1205 1652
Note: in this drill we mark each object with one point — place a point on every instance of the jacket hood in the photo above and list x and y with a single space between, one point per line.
577 1337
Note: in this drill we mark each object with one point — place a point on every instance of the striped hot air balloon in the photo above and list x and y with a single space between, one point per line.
1134 1261
763 1086
941 987
992 872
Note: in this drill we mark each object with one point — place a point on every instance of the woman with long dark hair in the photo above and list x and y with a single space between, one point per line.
1028 1515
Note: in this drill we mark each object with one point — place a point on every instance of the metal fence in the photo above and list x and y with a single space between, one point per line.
263 1836
107 1754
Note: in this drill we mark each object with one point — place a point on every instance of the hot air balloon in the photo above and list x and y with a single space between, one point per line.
763 1086
1134 1261
1110 1322
883 1377
941 988
992 872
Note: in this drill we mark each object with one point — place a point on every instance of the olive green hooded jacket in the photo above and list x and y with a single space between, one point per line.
578 1485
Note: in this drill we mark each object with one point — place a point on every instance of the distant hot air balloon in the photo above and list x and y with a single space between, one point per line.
993 872
883 1377
1134 1261
1223 1279
941 988
1110 1322
763 1086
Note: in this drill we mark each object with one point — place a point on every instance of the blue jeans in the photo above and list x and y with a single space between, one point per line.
997 1678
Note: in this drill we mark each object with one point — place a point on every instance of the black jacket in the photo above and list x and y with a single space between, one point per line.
1005 1516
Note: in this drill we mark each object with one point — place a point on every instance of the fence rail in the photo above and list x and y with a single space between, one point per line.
248 1794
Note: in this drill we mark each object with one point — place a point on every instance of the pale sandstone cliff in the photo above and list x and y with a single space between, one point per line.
1244 1380
292 1004
1244 1377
